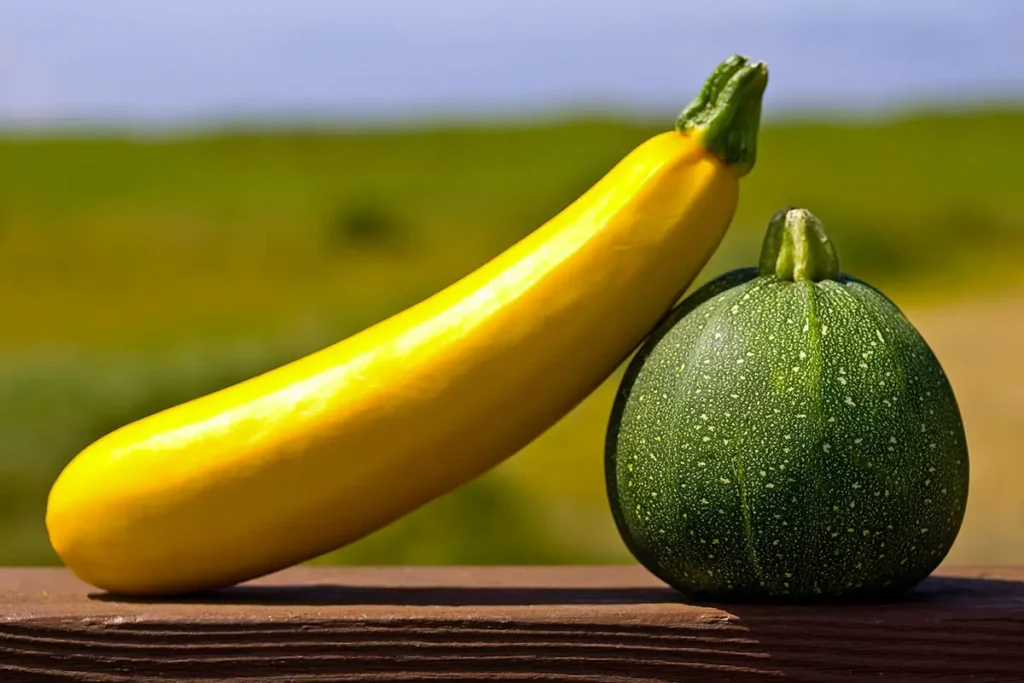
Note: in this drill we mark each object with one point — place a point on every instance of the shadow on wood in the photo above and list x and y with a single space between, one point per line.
944 589
326 594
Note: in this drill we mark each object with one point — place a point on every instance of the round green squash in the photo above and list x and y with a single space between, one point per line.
786 434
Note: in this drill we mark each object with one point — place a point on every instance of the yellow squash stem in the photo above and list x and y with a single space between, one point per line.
320 452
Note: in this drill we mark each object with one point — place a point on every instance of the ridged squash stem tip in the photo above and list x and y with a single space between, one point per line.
796 247
726 114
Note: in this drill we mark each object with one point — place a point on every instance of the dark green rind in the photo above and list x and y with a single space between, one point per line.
871 492
704 293
726 114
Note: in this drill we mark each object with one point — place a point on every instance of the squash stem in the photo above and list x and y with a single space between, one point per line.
726 114
796 247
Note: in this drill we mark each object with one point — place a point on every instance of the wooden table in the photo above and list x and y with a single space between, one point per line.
502 624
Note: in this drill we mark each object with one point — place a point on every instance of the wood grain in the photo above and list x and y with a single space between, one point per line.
602 624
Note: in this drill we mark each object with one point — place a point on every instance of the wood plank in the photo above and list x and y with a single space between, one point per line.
608 624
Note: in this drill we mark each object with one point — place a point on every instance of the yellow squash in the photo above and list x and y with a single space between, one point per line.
322 451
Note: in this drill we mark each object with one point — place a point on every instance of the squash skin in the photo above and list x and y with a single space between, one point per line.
787 441
318 453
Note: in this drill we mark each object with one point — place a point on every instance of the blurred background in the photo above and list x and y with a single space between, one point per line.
194 192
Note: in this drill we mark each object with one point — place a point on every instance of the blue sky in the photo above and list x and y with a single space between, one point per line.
188 61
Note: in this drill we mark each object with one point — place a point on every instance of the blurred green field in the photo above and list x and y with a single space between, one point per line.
136 273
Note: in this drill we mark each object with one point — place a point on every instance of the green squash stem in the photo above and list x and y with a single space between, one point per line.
796 247
726 114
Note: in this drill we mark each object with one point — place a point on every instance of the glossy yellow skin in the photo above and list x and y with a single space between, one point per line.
315 454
